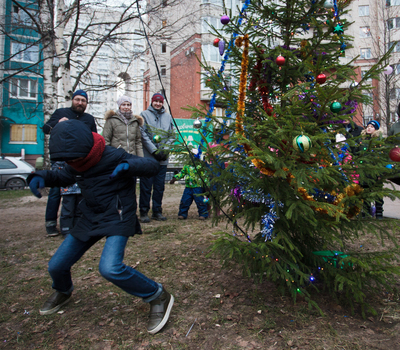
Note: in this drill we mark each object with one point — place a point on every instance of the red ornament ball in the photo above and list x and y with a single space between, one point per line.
394 154
321 78
215 42
280 60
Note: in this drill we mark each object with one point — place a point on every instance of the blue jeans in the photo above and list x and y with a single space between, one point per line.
190 194
157 184
53 203
111 267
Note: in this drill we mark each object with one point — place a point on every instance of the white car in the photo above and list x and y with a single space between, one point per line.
14 172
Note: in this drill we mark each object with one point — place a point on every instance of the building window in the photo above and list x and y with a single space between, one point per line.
163 70
208 22
363 10
211 53
163 47
23 133
24 88
395 94
396 46
367 119
392 2
23 17
393 23
25 52
363 73
164 23
365 54
365 32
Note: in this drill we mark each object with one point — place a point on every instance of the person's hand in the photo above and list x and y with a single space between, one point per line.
172 181
119 170
63 119
161 154
158 156
165 154
35 183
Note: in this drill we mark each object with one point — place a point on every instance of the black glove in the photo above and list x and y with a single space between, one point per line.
172 180
160 155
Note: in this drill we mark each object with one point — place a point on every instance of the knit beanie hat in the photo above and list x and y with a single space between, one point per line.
375 124
123 99
157 97
80 93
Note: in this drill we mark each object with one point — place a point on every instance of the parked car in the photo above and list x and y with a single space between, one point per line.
14 172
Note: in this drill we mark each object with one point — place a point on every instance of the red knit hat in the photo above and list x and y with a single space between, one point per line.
157 97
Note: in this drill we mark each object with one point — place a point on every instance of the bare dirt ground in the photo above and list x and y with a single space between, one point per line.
215 308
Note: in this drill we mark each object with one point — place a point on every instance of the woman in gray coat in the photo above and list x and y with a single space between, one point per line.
122 128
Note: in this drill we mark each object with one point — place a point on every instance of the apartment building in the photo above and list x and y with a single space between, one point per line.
117 65
21 104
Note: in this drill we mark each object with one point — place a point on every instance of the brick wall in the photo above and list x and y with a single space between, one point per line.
185 77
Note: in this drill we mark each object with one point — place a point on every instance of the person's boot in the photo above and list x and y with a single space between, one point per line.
51 229
158 217
54 303
144 218
160 309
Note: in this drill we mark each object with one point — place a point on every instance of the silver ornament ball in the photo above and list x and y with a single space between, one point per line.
197 124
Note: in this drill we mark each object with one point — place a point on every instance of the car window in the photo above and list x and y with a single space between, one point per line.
27 164
7 164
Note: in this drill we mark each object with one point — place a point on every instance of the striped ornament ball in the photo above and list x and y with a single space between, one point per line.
302 143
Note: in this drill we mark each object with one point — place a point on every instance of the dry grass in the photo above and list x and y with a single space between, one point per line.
215 308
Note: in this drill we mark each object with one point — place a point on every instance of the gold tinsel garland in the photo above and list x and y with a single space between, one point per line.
349 191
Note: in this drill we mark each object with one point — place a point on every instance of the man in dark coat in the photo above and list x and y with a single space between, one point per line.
105 176
76 111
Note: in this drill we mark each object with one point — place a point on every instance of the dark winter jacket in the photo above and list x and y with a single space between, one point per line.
109 205
121 135
86 118
156 122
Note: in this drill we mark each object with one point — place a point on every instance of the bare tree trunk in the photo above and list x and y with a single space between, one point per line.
49 71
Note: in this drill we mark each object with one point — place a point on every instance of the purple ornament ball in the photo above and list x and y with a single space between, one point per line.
225 19
221 47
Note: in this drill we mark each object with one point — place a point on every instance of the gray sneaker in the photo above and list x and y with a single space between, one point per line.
54 303
160 309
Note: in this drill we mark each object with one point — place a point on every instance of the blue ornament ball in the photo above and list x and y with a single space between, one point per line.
206 199
302 143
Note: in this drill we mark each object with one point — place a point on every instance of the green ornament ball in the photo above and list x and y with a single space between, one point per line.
302 143
336 107
157 138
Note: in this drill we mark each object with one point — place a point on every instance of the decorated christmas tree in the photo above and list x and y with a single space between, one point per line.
296 188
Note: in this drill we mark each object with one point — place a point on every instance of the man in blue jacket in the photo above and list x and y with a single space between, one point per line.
105 176
157 122
76 111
